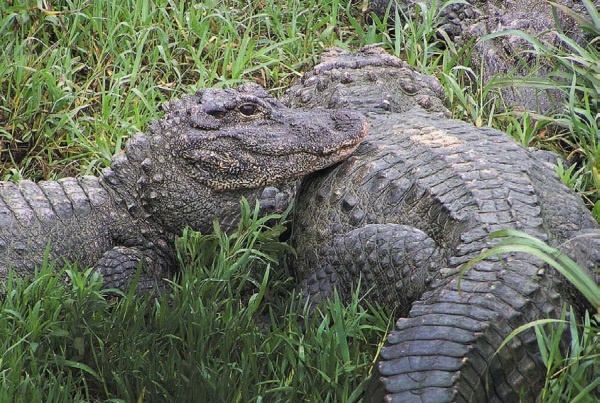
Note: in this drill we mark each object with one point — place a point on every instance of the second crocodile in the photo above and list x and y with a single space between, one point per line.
416 200
467 22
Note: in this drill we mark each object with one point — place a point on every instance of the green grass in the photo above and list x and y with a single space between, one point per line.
222 333
78 77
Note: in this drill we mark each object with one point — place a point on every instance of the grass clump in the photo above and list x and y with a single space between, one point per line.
221 334
418 38
572 376
78 77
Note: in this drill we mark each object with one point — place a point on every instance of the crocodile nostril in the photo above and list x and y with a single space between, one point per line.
213 108
217 113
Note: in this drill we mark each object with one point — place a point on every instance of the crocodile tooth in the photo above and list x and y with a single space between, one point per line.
153 126
119 201
311 81
306 95
110 176
118 161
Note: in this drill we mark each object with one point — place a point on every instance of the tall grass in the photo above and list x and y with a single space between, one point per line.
222 333
78 77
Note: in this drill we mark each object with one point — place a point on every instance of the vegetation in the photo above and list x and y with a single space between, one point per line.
222 333
78 77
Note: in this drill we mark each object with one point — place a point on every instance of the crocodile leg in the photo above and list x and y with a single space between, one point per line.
277 199
389 261
119 265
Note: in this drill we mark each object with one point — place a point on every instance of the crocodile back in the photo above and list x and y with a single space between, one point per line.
457 184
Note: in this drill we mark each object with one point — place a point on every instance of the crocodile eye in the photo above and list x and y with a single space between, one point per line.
247 109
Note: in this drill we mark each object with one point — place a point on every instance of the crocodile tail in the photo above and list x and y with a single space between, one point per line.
446 350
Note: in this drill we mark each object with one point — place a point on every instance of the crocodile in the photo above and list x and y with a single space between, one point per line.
471 20
416 201
196 163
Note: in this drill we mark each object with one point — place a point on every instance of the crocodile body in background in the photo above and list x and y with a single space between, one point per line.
473 19
197 162
415 201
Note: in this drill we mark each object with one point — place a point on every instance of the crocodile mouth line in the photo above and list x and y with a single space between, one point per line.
342 150
346 150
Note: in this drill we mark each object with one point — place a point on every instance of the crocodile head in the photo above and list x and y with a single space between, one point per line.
245 139
369 81
214 147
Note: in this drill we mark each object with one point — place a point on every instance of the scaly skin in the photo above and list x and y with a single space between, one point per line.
415 201
197 162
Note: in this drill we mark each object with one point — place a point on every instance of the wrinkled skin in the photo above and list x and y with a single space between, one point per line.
418 199
196 163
